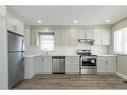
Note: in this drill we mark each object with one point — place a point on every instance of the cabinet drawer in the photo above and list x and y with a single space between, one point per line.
72 58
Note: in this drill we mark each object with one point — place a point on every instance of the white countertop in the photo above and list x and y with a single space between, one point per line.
65 55
33 55
107 55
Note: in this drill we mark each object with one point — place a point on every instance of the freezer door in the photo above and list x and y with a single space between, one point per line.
15 42
15 68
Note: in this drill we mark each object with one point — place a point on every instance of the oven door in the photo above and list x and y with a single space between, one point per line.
88 62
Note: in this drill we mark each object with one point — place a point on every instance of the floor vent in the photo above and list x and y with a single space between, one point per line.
125 81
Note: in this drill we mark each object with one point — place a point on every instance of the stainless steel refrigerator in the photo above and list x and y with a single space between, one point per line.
15 59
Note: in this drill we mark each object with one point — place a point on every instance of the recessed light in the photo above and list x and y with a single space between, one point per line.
39 21
107 20
75 21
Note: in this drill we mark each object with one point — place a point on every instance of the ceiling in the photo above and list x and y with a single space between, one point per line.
65 15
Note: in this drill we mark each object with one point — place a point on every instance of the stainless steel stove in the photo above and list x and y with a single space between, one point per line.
87 62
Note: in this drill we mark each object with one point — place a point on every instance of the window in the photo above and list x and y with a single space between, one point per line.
120 41
46 41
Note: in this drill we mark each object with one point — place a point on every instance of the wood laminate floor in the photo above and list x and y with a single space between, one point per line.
73 82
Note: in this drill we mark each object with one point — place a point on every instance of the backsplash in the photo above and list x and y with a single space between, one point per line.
59 50
97 50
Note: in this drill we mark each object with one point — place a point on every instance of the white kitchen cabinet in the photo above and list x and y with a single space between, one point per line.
106 64
29 70
11 23
102 36
82 33
20 27
66 37
27 36
90 33
106 37
72 65
3 11
43 64
58 37
110 64
85 33
74 37
14 25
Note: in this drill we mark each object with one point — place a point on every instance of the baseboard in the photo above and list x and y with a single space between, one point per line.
121 75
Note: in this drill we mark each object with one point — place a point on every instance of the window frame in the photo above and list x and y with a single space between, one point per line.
46 33
115 42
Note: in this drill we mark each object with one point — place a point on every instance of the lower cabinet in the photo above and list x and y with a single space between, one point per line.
106 64
43 65
72 65
29 71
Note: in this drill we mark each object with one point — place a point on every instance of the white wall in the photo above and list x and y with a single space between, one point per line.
122 64
121 59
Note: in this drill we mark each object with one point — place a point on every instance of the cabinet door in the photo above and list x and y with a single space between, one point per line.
111 64
39 61
27 36
11 23
98 36
90 33
82 34
20 27
47 65
66 37
106 37
72 65
101 65
74 37
29 67
3 11
58 37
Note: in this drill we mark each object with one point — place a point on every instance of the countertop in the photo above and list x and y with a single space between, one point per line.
107 55
33 55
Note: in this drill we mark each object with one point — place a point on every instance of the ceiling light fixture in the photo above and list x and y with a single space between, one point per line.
107 20
75 21
39 21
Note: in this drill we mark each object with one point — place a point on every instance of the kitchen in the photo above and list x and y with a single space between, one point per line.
65 44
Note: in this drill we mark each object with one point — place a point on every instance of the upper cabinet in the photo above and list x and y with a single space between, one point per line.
90 33
66 37
15 25
58 37
69 37
3 11
74 37
86 33
102 36
82 33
